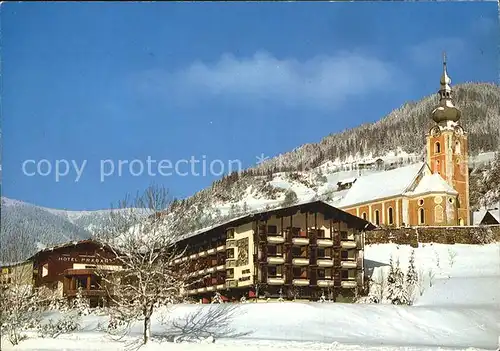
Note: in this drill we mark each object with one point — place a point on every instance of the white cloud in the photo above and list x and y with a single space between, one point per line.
430 52
322 81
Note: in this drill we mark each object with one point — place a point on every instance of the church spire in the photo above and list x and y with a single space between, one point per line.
445 79
445 111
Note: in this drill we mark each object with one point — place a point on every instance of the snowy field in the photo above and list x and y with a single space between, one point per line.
460 311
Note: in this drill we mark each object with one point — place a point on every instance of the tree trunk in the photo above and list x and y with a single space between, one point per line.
147 325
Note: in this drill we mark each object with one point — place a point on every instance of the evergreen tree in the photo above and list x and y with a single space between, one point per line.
391 281
411 277
399 296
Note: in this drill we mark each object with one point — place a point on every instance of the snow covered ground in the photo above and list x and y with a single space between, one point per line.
460 311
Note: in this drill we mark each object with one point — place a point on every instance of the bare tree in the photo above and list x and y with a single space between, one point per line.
143 237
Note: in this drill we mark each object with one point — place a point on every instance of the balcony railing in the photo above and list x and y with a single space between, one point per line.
300 261
325 242
275 280
278 259
86 293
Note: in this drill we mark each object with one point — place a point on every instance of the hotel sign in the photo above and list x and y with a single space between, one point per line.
95 260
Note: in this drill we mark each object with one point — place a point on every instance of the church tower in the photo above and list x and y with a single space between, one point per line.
447 149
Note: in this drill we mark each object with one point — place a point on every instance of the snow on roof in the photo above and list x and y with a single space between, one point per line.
431 183
348 180
478 216
381 185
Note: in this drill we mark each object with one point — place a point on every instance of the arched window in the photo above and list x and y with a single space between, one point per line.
457 147
437 166
377 217
438 213
364 216
390 216
421 216
461 222
437 147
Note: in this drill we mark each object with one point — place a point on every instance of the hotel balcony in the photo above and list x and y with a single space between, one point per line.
275 259
348 244
221 267
275 281
221 248
211 251
202 254
300 241
275 239
325 242
325 262
300 282
201 290
210 288
348 264
325 283
348 284
220 287
300 261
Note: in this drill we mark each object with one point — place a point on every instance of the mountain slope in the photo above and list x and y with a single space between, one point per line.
26 228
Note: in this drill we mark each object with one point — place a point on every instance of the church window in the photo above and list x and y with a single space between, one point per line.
436 167
421 202
421 216
390 216
438 213
450 200
377 217
461 222
457 147
437 147
364 216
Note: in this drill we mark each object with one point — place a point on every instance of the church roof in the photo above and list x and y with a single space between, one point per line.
432 183
381 185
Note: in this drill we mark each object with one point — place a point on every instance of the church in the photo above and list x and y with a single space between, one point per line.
430 193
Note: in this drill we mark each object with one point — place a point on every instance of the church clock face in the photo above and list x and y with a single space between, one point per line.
459 131
435 131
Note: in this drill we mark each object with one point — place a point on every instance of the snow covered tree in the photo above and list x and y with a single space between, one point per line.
391 280
411 278
146 248
217 298
280 295
290 198
399 292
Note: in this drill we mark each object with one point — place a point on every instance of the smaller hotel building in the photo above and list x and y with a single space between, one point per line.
299 252
72 266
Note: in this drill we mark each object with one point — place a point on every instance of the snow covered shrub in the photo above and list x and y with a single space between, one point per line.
68 323
290 198
81 304
280 298
21 308
377 289
217 298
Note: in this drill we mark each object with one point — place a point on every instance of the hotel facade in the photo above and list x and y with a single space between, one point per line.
299 252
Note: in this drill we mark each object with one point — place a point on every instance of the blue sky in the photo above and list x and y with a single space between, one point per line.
213 81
